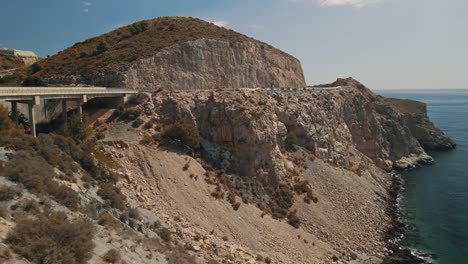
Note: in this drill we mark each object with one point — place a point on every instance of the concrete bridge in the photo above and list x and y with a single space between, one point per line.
32 97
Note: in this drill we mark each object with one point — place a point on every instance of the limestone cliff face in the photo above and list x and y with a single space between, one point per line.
204 64
215 64
348 127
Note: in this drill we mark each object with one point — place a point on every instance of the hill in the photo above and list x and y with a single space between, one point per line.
173 53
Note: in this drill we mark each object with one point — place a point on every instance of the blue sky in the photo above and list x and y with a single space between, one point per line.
402 44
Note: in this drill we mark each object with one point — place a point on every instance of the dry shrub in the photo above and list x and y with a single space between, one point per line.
147 140
130 114
111 194
105 219
27 205
8 193
137 123
112 256
53 239
37 176
165 234
181 132
294 220
5 253
4 211
186 166
134 213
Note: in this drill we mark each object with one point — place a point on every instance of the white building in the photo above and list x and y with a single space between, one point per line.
17 53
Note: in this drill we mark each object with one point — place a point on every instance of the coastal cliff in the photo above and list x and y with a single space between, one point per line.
331 124
315 158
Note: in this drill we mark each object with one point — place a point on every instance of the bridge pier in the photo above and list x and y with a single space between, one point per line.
14 112
64 111
32 121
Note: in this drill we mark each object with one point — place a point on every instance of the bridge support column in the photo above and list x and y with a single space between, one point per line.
32 121
14 112
64 111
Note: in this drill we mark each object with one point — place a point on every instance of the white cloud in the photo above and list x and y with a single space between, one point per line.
220 23
354 3
86 6
256 26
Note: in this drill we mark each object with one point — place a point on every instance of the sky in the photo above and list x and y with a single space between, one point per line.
385 44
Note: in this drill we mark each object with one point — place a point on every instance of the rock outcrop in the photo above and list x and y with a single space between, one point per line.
214 64
173 53
415 117
338 126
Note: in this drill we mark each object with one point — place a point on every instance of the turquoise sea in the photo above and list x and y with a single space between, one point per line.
434 201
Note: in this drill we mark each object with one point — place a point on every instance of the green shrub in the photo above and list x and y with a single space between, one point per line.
33 81
101 48
53 239
137 123
36 67
182 132
139 27
290 140
77 127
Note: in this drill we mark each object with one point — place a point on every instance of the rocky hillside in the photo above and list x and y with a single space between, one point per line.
228 176
173 53
308 164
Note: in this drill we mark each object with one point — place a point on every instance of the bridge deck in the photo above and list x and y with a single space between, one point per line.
20 93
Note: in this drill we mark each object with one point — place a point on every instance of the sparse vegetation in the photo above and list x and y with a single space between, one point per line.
183 133
291 140
133 42
36 174
53 239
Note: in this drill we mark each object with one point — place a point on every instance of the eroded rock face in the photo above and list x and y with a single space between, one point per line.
204 64
245 130
428 135
214 64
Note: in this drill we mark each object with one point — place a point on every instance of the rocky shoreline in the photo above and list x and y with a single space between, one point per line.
399 254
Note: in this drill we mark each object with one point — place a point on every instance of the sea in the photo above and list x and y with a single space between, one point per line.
434 199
